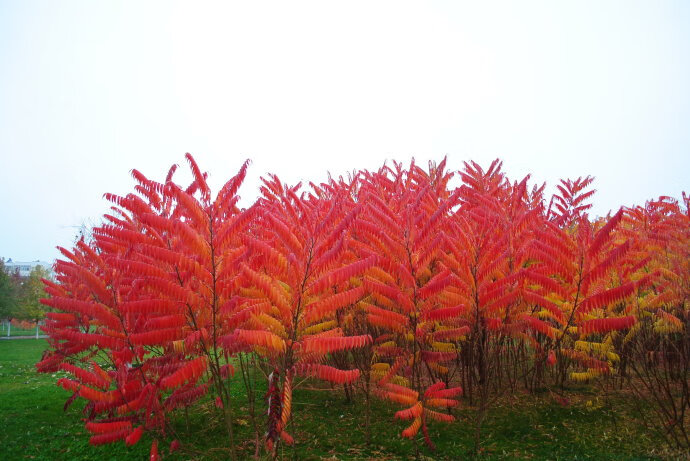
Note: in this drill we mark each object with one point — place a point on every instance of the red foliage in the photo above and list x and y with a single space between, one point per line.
393 265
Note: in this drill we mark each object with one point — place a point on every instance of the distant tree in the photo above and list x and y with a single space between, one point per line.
31 291
8 294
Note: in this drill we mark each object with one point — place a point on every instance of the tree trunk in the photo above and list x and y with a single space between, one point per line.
367 417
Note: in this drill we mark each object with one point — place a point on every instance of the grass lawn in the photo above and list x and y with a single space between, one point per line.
33 425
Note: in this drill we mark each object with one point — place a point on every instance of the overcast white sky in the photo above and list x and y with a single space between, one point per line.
90 90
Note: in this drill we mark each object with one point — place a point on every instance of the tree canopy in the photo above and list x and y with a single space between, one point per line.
31 291
8 294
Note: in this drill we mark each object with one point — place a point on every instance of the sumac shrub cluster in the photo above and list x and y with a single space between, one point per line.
397 284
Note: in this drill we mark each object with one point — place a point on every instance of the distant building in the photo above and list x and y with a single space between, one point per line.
23 269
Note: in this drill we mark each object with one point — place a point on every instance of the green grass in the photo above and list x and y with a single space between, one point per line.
34 426
33 423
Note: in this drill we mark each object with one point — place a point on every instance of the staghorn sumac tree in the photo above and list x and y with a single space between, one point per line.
147 301
586 306
402 226
498 276
299 276
488 244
